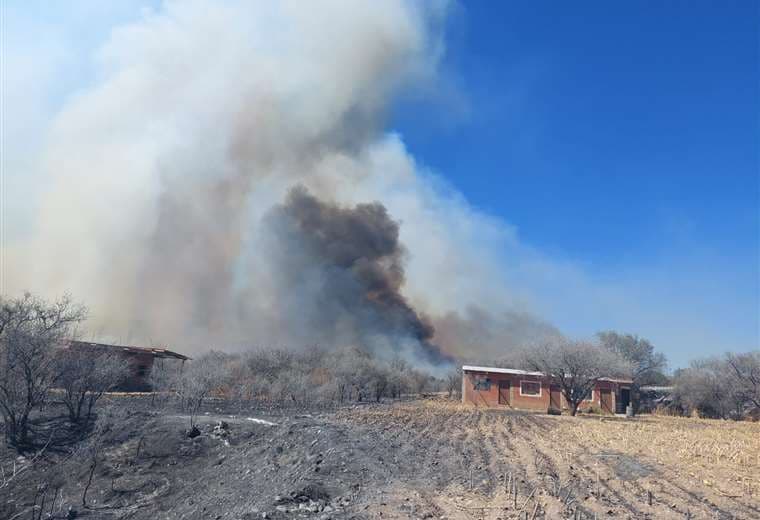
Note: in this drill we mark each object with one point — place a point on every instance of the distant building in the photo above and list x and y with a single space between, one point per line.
653 397
141 361
524 390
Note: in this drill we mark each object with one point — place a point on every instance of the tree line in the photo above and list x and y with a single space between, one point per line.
719 387
35 372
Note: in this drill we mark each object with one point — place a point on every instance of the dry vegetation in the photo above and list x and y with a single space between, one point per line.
649 467
419 459
718 454
327 435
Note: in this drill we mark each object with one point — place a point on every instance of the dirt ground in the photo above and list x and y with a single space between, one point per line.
423 459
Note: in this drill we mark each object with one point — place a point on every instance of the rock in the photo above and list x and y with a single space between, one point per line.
314 491
221 430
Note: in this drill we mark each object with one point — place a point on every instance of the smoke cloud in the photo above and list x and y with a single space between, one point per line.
343 268
171 209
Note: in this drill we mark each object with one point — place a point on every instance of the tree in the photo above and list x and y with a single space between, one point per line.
453 382
84 377
162 376
647 366
378 379
744 374
702 388
420 381
576 366
31 330
719 387
198 381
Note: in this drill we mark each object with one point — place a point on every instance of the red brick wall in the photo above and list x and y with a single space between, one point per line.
490 398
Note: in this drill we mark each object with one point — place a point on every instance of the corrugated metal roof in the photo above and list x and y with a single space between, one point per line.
155 351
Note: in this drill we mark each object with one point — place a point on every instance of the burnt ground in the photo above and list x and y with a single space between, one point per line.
405 460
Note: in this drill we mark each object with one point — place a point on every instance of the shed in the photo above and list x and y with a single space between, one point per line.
526 390
141 360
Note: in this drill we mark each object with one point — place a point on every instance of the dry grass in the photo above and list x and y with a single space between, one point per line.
720 454
698 466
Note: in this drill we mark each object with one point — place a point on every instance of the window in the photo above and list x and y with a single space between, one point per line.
482 383
142 370
589 395
530 388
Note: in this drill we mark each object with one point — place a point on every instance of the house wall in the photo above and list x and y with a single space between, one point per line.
140 366
490 397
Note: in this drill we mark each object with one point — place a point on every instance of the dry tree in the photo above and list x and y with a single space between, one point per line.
576 367
84 378
31 331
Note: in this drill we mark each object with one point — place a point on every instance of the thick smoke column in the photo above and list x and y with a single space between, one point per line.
351 261
166 179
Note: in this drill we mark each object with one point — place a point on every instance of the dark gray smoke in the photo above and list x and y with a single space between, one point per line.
349 263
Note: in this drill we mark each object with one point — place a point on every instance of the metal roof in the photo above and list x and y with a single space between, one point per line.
155 351
518 372
468 368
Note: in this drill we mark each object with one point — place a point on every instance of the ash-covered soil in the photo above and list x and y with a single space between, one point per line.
405 460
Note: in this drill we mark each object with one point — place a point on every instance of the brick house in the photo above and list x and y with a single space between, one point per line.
141 361
525 390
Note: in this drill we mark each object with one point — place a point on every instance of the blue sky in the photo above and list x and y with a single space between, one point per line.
620 141
634 124
623 138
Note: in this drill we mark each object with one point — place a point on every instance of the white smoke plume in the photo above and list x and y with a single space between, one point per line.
163 177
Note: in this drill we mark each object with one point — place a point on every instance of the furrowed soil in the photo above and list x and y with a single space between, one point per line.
422 459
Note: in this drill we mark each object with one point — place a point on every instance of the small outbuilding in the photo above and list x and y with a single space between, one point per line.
525 390
141 361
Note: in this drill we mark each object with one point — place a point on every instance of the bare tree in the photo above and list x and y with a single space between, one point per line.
744 370
84 377
702 388
576 366
199 380
377 378
719 387
420 381
31 329
647 365
453 382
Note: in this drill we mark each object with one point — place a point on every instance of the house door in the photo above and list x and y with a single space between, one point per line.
555 398
504 392
605 400
624 401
